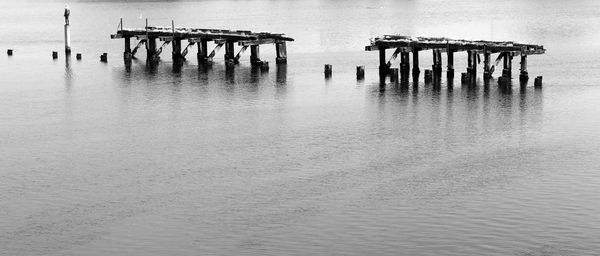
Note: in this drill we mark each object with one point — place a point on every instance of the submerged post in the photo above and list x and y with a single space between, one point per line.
281 53
67 31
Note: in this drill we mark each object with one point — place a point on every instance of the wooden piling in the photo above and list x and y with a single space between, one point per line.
524 75
538 82
9 52
450 71
151 48
404 66
104 57
67 39
229 51
202 51
428 75
487 74
360 72
281 50
255 55
393 75
78 56
127 54
264 66
415 69
328 70
437 63
473 74
176 46
383 67
54 55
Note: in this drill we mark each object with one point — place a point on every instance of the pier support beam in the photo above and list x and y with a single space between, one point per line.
255 55
437 63
404 66
507 61
281 53
450 71
127 55
229 51
524 76
383 67
487 73
475 56
176 54
470 64
202 51
415 70
151 49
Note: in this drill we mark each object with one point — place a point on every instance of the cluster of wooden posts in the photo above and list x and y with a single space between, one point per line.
404 46
149 35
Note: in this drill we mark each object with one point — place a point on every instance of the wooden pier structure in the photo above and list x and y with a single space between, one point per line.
404 45
149 35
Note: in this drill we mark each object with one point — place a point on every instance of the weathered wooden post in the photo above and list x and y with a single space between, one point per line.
428 75
437 63
255 55
176 55
328 70
67 31
202 51
360 72
469 63
404 66
281 50
524 75
487 74
151 48
506 61
538 82
54 55
393 75
475 57
78 56
9 52
383 67
415 70
450 72
229 51
104 57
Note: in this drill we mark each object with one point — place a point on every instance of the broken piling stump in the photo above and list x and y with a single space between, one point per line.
538 82
360 72
328 70
54 55
9 52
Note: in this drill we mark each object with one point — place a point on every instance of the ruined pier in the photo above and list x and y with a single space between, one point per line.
405 45
151 36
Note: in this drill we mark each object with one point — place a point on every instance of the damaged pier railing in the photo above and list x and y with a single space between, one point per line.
404 45
149 35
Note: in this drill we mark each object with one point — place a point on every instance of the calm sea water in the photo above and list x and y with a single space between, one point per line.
98 160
